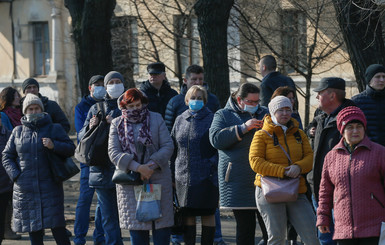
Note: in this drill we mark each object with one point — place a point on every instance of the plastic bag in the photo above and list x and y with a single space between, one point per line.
148 202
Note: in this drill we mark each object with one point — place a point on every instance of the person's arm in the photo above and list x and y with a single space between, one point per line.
58 116
325 203
63 145
170 115
265 95
306 163
9 158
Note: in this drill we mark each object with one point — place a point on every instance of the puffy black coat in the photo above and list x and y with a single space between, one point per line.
38 201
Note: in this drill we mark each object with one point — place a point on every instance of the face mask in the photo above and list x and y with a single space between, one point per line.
251 109
115 90
34 117
99 92
195 105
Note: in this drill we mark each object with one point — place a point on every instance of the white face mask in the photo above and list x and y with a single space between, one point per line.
115 90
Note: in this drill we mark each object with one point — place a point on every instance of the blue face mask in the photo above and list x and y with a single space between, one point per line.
195 105
99 92
251 109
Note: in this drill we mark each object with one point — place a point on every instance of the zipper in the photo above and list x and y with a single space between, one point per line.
375 198
350 192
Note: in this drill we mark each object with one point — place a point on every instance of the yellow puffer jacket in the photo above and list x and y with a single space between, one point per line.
267 159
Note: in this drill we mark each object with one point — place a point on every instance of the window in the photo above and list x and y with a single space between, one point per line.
41 51
187 42
293 39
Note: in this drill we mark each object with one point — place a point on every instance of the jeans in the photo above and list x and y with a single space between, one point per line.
110 218
300 214
59 233
324 238
246 224
82 217
142 237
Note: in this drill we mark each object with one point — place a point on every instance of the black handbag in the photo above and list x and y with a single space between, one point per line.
178 227
62 168
128 178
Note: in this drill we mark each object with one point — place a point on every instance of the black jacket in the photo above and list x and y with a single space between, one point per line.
271 82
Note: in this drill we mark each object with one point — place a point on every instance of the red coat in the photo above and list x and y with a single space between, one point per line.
353 184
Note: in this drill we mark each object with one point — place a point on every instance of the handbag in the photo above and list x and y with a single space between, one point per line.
148 202
279 189
128 178
92 148
178 227
61 168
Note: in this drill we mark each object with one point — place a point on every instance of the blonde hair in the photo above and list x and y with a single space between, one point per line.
193 90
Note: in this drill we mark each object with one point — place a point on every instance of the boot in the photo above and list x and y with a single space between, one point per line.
9 234
189 234
208 233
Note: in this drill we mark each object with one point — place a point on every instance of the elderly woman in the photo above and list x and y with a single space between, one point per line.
290 93
38 201
139 141
231 133
353 184
282 150
196 175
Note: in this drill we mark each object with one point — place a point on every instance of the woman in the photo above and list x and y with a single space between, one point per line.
353 183
231 133
290 93
196 163
38 201
100 177
138 134
267 158
10 106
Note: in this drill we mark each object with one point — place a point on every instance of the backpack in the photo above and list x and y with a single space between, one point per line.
92 149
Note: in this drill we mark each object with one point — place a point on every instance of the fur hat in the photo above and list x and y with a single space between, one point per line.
372 70
31 99
28 82
111 75
279 102
348 114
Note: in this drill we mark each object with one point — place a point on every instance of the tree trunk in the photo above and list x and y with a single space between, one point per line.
91 35
361 30
213 16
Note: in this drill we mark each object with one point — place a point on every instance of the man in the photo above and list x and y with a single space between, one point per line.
372 102
176 106
157 88
30 85
82 216
331 97
272 79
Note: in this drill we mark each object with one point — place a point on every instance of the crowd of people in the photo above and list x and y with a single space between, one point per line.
185 154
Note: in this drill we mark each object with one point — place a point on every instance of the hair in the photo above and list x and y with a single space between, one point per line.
245 89
194 69
270 62
340 94
285 91
132 95
193 90
7 96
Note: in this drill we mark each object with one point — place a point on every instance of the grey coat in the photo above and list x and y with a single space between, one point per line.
160 152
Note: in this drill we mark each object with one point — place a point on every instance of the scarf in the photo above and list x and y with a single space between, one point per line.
14 115
126 132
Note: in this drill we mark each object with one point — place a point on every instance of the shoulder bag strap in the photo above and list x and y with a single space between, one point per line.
287 155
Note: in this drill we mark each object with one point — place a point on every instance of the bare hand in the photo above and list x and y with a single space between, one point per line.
324 229
47 142
253 123
145 172
292 171
94 121
312 131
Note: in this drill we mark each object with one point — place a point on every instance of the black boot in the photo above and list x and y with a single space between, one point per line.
208 233
189 234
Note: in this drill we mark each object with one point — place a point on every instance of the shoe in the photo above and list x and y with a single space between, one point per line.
262 242
221 242
10 235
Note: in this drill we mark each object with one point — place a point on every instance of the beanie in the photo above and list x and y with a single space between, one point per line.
29 81
279 102
111 75
349 114
372 70
94 79
31 99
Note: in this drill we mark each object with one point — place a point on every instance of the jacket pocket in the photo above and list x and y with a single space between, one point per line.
228 170
373 197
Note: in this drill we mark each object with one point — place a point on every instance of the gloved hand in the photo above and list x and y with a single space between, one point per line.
292 171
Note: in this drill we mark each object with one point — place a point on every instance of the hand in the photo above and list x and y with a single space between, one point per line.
324 229
253 123
292 171
94 121
109 119
151 164
47 142
145 172
312 131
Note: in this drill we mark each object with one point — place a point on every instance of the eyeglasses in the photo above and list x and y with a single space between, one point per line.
253 102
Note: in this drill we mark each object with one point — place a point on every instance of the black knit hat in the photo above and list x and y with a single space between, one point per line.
95 78
372 70
29 81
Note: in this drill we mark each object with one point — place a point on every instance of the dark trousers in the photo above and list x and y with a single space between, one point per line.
359 241
4 199
246 223
59 233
